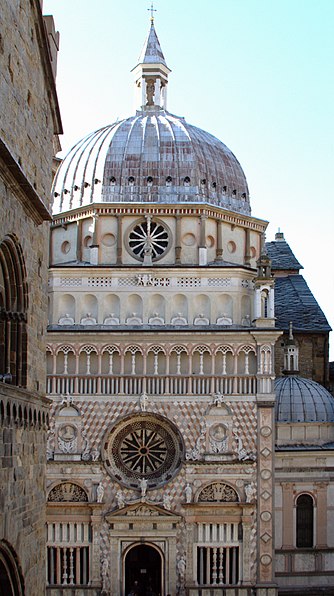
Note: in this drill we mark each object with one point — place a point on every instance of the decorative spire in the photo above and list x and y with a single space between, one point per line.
151 73
152 52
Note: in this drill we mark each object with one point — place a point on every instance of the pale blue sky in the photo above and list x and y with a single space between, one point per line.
258 74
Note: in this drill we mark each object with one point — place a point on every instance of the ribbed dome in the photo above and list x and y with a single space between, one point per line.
302 400
153 157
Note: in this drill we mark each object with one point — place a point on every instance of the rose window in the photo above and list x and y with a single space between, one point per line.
148 237
143 447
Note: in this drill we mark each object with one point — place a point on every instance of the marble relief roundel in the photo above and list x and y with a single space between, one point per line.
144 446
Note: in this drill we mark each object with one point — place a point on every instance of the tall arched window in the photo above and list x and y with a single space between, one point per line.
13 312
304 521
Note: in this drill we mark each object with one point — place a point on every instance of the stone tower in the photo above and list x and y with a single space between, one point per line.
29 123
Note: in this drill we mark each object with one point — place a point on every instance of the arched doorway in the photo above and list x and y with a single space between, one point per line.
143 571
11 582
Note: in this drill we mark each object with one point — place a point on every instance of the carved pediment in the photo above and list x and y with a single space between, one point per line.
140 509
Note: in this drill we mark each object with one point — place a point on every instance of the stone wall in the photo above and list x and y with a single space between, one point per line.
29 118
27 91
23 423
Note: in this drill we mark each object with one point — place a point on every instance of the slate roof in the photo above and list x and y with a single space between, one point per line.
282 256
295 302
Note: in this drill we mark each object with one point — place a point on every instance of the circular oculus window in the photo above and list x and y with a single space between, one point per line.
143 447
152 237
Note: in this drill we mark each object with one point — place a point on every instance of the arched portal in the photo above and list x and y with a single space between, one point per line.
143 566
11 582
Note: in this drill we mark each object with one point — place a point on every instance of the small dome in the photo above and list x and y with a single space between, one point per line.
302 400
151 157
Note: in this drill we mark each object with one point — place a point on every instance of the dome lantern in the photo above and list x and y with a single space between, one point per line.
151 75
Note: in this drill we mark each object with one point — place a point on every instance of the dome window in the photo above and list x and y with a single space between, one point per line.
86 184
66 191
131 180
214 185
224 189
96 181
113 180
149 180
56 194
169 180
186 181
203 181
243 195
234 193
76 187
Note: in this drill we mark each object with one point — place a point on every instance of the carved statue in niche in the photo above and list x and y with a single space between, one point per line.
156 320
150 90
179 319
134 319
201 320
66 320
88 320
189 493
181 569
99 493
67 491
111 319
224 320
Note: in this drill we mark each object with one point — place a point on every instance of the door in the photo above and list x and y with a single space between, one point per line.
143 571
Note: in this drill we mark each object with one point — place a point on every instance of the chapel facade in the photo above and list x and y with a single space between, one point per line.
162 475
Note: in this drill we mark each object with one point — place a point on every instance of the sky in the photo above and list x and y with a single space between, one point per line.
257 74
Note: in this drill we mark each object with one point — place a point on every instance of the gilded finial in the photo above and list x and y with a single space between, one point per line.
152 10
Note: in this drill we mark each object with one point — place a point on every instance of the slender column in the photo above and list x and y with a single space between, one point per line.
77 565
71 577
178 247
219 249
321 516
287 511
271 309
119 240
257 304
94 249
58 566
202 250
79 241
247 247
